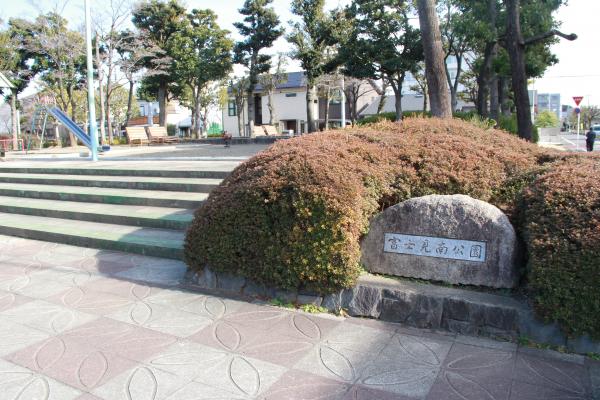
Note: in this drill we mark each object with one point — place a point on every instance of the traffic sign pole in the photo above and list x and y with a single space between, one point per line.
577 100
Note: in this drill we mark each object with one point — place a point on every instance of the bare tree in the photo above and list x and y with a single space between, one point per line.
434 59
355 89
269 83
328 86
238 90
112 20
135 50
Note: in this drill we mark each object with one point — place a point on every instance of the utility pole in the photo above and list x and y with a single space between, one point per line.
90 79
343 102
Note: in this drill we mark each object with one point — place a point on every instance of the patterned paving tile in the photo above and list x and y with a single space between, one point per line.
525 391
19 383
141 382
90 301
212 307
160 318
454 386
15 337
554 375
67 275
34 285
166 273
71 362
48 317
9 300
125 340
186 359
243 376
122 288
297 385
200 391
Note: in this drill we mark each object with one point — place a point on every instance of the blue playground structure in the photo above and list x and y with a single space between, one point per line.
40 117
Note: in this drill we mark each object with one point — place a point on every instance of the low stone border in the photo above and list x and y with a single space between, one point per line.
415 304
240 140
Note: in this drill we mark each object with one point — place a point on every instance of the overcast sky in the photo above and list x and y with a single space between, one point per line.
576 74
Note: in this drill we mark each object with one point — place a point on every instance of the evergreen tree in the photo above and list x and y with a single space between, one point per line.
260 30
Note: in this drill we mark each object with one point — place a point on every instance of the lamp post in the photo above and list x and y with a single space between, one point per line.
90 80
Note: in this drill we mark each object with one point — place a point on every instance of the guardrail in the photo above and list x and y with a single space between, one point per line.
8 145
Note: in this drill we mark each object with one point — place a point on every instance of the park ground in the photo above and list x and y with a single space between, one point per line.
92 324
88 324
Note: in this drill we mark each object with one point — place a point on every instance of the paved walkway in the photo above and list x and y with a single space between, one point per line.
187 151
88 324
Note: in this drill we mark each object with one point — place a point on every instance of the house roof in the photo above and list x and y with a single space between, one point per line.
294 80
5 83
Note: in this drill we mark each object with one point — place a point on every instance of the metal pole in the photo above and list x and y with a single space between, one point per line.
343 103
578 124
90 79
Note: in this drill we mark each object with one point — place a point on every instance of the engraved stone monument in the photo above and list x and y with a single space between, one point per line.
455 239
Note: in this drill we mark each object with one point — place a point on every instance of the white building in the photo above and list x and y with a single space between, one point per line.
177 115
289 101
410 102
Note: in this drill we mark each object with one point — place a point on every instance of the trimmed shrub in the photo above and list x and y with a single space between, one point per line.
292 216
562 232
391 116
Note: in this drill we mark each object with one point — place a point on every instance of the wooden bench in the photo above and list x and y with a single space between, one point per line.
270 130
159 134
136 135
258 131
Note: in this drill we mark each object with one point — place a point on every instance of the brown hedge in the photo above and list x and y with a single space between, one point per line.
562 232
292 216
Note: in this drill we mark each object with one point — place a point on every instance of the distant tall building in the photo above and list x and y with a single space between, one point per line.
549 102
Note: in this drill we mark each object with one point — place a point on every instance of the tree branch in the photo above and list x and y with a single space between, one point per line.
546 35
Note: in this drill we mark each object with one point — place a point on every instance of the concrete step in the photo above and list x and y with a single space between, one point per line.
140 216
153 198
153 242
117 182
122 171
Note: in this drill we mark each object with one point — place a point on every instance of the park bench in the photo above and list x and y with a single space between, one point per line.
159 134
270 130
258 131
136 135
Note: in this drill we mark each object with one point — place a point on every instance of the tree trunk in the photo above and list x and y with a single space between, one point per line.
13 118
162 104
483 80
424 102
196 115
397 88
271 105
310 115
250 100
129 103
327 102
434 59
494 98
503 95
383 97
516 50
71 103
451 86
239 121
101 91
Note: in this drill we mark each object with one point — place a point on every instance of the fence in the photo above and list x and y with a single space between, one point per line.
8 145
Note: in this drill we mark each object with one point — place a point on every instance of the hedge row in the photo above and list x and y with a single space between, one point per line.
293 215
562 231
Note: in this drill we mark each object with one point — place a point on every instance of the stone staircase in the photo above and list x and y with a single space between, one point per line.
133 210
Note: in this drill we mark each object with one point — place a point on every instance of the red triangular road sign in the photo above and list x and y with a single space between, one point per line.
577 99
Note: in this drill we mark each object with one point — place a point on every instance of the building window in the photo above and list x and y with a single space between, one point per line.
231 108
290 95
142 111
